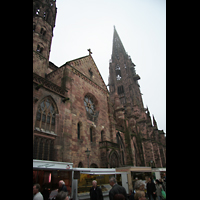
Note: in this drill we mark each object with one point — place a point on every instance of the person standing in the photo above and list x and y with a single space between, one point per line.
139 185
158 189
62 186
151 189
116 189
36 192
95 192
140 195
62 196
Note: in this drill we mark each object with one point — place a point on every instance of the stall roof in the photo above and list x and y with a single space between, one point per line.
46 164
134 169
95 171
159 169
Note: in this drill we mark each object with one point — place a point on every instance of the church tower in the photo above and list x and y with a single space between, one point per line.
142 138
122 76
44 16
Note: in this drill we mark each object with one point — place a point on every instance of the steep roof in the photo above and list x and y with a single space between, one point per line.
87 67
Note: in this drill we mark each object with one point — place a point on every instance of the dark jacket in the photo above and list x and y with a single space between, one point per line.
151 188
117 189
63 188
132 195
96 194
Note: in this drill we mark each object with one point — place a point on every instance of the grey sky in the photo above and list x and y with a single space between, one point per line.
141 25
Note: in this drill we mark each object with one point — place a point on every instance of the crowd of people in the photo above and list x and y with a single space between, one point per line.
59 194
155 191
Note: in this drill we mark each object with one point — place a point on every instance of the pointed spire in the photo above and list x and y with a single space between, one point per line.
117 44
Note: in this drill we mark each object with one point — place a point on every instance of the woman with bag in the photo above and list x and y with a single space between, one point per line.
159 189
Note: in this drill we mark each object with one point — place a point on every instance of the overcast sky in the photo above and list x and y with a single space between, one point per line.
141 25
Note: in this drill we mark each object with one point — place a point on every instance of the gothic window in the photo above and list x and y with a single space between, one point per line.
43 148
43 31
78 130
93 165
80 165
114 162
91 135
39 48
118 77
120 89
117 67
102 136
45 117
121 145
36 9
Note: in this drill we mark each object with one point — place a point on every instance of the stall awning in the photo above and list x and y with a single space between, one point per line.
46 164
96 171
159 170
134 169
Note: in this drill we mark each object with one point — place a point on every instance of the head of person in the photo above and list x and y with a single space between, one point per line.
139 195
150 179
94 183
157 181
139 185
112 181
61 183
62 196
36 188
119 197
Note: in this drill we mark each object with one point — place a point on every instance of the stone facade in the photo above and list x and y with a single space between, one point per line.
73 109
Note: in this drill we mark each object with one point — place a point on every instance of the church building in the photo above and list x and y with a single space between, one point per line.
74 111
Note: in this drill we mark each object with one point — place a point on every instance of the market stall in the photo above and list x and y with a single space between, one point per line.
158 173
129 175
49 173
84 182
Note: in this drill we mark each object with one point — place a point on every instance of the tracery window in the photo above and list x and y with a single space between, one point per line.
46 114
90 104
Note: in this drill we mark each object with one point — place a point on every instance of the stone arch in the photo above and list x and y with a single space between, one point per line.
93 165
80 164
114 159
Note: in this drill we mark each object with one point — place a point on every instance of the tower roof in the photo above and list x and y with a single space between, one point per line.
117 44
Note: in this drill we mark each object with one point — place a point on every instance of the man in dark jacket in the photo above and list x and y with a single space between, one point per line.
62 186
151 189
116 189
95 192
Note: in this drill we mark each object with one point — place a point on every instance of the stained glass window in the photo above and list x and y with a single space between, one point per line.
45 117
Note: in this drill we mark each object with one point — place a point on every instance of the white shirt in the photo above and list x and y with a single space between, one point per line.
38 196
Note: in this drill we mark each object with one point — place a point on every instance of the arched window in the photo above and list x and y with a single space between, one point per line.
102 136
43 148
78 131
80 165
46 114
93 165
91 135
121 145
40 48
114 161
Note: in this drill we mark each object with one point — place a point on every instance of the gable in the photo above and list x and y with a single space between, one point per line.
87 67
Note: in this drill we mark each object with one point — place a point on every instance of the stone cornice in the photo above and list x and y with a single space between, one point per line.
48 85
